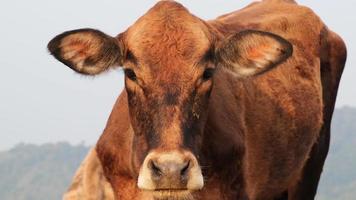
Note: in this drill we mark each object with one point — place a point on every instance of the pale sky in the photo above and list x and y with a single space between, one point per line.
41 100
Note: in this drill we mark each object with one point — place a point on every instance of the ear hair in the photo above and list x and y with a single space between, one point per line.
87 51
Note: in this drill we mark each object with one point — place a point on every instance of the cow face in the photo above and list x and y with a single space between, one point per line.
169 57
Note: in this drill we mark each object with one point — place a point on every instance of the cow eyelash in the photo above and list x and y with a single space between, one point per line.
208 74
130 74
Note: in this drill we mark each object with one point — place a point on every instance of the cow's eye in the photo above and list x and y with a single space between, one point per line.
130 74
208 73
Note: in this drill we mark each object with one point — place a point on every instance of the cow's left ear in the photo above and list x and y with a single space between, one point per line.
87 51
250 52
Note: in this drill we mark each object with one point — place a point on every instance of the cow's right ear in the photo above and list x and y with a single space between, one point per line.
87 51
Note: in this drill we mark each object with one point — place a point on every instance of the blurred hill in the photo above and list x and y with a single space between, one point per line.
31 172
338 181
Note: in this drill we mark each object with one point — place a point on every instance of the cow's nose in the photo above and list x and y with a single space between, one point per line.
170 172
175 170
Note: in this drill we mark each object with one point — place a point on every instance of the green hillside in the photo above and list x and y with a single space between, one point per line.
30 172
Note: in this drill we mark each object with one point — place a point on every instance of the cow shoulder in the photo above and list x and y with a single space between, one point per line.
89 181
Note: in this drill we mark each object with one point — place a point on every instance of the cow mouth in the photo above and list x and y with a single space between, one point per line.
172 194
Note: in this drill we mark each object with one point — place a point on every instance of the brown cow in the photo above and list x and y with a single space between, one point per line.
244 101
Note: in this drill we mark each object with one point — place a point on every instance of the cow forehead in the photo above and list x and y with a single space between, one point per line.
168 35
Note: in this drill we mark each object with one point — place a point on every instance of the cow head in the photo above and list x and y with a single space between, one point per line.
169 57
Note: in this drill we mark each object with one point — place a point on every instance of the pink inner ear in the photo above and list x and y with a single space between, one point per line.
257 52
76 48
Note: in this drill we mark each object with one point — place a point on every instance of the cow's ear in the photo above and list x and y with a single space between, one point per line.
250 53
87 51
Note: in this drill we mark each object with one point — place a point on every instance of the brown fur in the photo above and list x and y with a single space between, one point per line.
258 132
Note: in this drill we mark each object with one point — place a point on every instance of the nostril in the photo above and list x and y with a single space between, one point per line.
184 170
155 169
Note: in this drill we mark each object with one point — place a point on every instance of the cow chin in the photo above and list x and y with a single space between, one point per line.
172 195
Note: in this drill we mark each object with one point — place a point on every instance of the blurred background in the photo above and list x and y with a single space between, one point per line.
50 116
